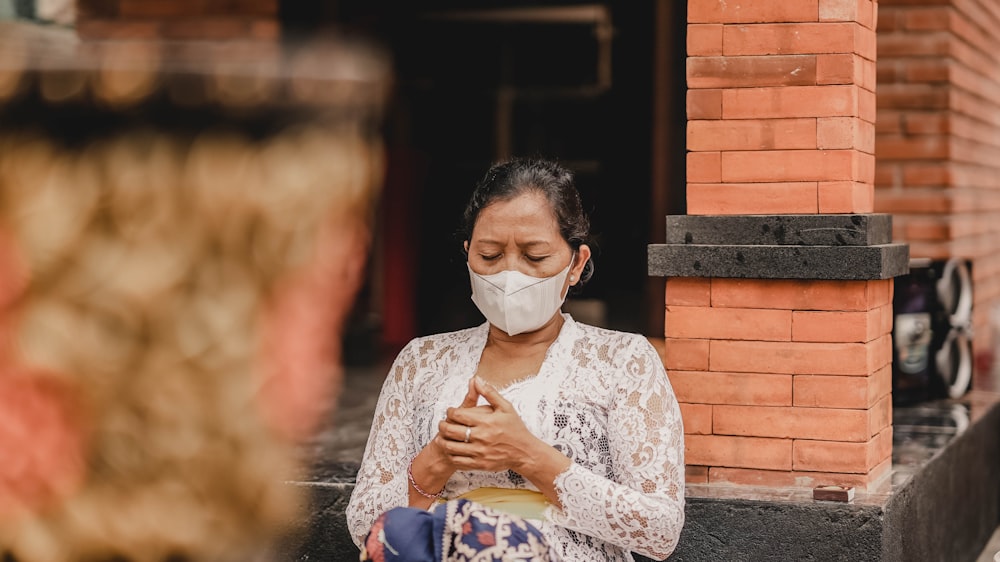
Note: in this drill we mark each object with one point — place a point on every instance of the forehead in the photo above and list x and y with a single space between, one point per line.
528 213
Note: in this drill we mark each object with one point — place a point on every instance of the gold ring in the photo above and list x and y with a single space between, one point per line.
468 433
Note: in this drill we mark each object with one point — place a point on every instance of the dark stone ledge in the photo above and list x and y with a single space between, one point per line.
950 505
883 261
735 529
844 247
780 230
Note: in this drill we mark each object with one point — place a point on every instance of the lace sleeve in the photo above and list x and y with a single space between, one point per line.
641 508
381 482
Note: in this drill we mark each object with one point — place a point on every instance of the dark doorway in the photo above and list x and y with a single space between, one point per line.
569 81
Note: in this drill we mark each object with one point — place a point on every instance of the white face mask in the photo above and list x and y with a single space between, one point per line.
515 302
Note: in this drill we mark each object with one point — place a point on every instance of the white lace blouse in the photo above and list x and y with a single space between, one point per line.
601 397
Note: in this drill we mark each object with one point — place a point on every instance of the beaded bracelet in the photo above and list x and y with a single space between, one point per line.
409 473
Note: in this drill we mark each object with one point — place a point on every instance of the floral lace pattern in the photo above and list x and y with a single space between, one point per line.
601 397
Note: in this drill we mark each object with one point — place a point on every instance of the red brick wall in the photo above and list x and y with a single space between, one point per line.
781 382
938 136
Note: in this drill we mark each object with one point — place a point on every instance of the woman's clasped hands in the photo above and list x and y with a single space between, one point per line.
490 437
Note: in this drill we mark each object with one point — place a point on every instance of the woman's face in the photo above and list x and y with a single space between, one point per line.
522 234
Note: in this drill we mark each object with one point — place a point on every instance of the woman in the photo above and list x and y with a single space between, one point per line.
563 440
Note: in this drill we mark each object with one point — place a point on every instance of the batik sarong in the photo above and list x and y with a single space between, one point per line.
459 530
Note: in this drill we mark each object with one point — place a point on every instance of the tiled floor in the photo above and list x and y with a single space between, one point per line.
338 448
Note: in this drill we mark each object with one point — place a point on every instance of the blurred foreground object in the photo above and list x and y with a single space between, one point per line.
183 229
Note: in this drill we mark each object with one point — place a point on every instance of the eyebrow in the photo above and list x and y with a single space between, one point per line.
529 244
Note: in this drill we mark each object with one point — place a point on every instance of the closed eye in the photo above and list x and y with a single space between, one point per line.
489 258
536 258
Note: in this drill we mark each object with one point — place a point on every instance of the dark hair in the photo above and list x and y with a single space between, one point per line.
506 180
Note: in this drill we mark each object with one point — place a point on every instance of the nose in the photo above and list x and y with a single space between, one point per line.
509 261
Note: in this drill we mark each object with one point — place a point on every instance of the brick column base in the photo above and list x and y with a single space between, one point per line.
782 382
779 348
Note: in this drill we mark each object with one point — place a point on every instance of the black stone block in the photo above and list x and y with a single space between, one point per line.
754 530
780 230
882 261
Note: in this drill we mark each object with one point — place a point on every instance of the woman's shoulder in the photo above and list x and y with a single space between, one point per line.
612 343
434 343
620 356
600 334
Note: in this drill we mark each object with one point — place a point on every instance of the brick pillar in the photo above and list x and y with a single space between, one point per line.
779 290
781 107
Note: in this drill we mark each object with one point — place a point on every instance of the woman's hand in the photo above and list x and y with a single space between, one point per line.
498 441
439 443
497 437
433 465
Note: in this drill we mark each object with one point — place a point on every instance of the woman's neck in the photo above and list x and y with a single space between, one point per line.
507 359
527 343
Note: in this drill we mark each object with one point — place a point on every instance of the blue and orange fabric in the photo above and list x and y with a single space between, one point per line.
459 530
